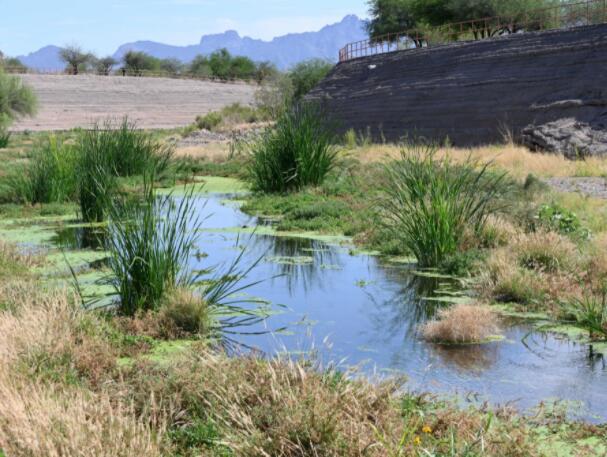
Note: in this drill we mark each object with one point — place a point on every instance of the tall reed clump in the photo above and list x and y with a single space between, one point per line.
150 241
50 176
112 151
96 176
430 203
297 152
131 151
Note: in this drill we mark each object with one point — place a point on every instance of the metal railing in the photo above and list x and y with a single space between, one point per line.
588 12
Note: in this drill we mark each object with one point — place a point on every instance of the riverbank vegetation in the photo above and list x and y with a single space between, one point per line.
153 371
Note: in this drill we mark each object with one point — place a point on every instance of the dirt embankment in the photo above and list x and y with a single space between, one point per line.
66 101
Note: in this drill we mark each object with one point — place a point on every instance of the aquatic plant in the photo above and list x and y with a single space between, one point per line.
297 152
96 177
150 242
430 203
462 323
590 312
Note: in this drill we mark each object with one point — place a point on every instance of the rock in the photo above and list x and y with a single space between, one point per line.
573 139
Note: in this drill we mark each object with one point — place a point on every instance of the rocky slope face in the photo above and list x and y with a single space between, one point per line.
473 92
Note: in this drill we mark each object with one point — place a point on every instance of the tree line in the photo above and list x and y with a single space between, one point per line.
218 65
421 16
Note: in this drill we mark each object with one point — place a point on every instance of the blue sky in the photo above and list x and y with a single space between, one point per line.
102 25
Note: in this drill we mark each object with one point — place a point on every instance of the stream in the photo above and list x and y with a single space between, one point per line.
358 310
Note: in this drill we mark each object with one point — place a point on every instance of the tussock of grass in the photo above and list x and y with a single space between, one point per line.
462 324
13 261
430 203
297 152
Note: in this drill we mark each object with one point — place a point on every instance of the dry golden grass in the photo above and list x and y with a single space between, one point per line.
518 160
462 324
59 421
49 354
11 256
215 151
538 270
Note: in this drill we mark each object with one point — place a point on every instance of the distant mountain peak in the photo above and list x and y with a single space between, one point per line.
284 51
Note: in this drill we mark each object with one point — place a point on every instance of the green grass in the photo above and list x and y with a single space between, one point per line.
296 153
5 138
429 203
50 175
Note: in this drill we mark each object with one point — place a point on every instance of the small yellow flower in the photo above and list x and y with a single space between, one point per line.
426 429
417 440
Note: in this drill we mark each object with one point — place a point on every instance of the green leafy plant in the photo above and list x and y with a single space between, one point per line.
429 203
555 218
297 152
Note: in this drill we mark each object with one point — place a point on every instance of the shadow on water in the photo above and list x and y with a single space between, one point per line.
81 237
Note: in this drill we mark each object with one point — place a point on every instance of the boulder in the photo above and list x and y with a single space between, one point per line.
569 137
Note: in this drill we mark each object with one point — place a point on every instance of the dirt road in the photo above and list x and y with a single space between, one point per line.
66 102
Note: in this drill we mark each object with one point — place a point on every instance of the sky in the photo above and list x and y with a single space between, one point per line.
101 26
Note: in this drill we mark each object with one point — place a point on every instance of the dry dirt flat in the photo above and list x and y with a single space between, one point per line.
66 101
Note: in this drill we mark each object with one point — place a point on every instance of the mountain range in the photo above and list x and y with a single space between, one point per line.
284 51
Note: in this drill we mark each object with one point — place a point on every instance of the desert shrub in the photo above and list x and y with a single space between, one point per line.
297 152
230 115
306 75
429 203
545 251
209 121
462 324
16 99
50 176
275 95
149 244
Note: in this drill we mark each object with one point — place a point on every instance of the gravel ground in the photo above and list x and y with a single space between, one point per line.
593 187
78 101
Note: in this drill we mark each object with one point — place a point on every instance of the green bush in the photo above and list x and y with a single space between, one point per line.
558 219
209 121
297 152
429 203
306 75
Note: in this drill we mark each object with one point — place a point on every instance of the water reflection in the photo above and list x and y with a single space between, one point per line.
81 238
360 309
